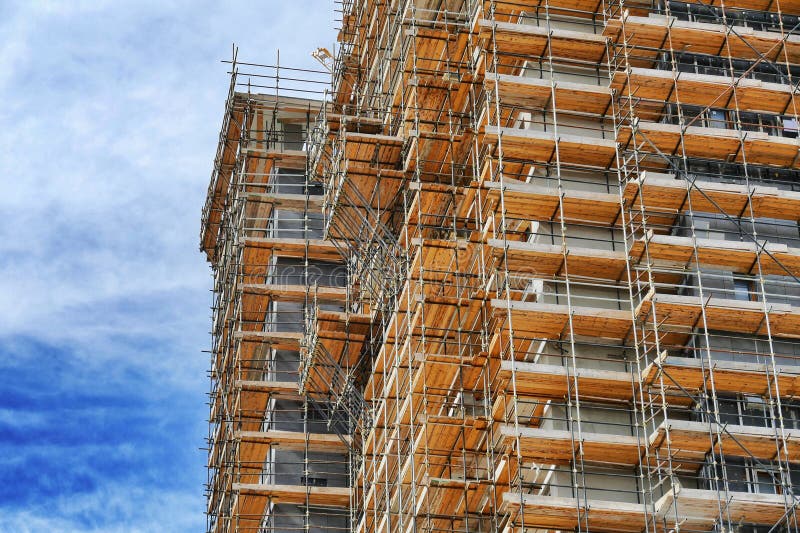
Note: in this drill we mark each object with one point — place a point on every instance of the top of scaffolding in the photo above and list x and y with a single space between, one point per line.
272 89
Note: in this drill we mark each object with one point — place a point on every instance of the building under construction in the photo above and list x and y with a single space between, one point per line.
524 265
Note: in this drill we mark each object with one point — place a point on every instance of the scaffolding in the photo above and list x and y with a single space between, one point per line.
274 463
570 236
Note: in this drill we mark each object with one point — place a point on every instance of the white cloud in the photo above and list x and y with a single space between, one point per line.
109 125
132 510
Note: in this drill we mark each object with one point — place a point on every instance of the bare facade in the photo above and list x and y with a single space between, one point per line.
540 273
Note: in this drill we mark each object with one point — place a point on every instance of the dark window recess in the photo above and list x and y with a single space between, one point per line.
293 136
702 169
309 481
314 413
741 290
790 127
783 126
757 20
767 71
289 181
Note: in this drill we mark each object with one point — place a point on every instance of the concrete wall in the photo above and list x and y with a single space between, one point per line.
293 467
293 518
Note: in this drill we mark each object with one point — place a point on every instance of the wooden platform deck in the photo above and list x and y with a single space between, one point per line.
691 441
736 256
659 31
684 314
281 340
440 260
255 395
444 433
429 204
552 512
534 93
372 149
337 122
532 41
551 321
251 499
561 447
695 375
337 344
368 185
576 8
540 146
533 202
256 297
286 200
252 447
686 442
555 381
722 144
254 444
364 193
250 354
430 455
548 260
666 194
698 509
436 309
705 90
279 158
258 251
342 334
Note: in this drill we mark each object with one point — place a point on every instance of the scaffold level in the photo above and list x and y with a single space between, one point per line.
539 272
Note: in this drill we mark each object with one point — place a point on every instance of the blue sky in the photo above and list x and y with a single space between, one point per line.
109 116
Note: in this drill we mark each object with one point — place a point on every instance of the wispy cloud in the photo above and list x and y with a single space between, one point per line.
109 124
